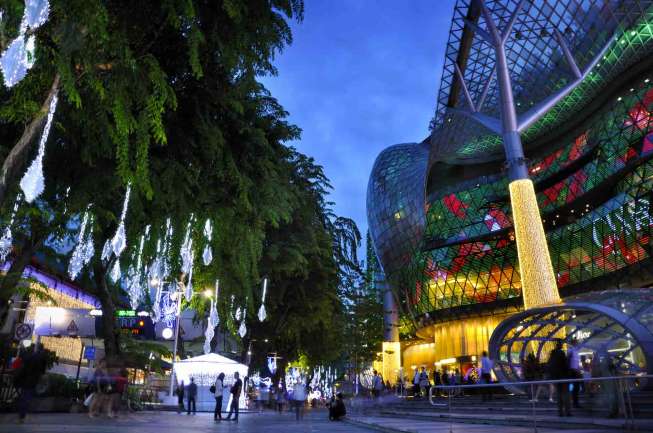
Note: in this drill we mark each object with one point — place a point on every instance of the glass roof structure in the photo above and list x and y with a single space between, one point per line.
537 65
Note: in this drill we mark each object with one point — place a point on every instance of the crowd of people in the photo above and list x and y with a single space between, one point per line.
296 397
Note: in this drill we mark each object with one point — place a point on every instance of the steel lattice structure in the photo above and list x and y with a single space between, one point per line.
614 324
537 65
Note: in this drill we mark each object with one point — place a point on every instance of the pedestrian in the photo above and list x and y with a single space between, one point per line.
337 409
424 382
101 385
122 382
416 390
532 372
437 381
29 373
558 367
377 384
486 376
282 397
575 371
236 389
299 398
219 388
180 391
192 395
609 387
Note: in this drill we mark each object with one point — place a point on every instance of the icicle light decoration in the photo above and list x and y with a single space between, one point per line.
119 241
186 250
19 57
115 271
207 256
242 330
84 249
32 182
212 322
189 287
261 311
7 239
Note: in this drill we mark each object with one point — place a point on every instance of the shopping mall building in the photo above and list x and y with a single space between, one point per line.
440 211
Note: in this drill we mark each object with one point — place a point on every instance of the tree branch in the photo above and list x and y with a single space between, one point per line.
16 158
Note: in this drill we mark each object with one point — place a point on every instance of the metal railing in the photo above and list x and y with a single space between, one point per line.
622 391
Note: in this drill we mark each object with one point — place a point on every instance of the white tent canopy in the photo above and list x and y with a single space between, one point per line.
204 369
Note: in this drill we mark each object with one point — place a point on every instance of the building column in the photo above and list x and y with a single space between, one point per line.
391 344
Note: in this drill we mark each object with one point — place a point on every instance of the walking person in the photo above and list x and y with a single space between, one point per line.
236 389
559 369
424 382
416 390
180 391
101 384
219 388
192 395
575 371
29 373
437 381
299 398
377 384
486 376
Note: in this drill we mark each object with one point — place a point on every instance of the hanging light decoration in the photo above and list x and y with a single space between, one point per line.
32 183
119 241
19 56
115 271
212 322
7 239
186 251
242 330
207 256
84 250
261 311
134 275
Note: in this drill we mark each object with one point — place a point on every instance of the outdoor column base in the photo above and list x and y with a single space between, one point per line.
391 360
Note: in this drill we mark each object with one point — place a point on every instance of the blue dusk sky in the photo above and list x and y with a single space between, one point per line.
360 76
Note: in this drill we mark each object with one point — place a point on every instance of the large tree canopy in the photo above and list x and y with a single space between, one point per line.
163 97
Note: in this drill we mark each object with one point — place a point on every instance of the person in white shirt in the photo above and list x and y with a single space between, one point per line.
219 388
486 376
299 398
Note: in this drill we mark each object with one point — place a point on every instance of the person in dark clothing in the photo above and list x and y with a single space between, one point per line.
180 396
236 389
192 395
437 381
27 377
558 367
337 409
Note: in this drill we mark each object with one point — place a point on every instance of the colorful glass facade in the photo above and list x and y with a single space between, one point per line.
590 159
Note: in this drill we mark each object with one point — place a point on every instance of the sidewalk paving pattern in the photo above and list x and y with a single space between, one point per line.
387 424
269 422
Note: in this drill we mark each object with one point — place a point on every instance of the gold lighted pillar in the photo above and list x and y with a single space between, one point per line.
391 360
538 281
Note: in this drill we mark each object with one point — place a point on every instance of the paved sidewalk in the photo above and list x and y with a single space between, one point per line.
389 425
170 422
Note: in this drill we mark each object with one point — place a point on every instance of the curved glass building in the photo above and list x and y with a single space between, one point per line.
439 211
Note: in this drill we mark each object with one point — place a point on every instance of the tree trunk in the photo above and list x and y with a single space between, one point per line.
111 334
16 158
15 272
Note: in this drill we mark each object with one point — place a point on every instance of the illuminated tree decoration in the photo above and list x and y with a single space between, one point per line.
242 330
19 57
32 182
207 256
84 249
7 238
261 311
